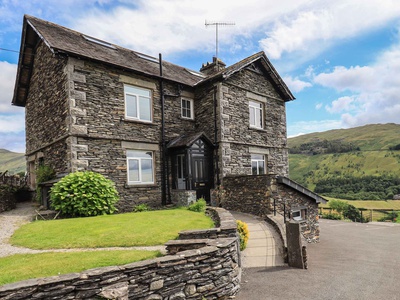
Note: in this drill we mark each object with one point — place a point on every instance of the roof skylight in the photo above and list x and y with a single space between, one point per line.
147 57
99 42
196 73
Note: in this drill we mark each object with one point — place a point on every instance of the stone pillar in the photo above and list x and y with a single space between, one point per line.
294 245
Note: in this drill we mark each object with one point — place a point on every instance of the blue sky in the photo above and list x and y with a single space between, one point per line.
341 59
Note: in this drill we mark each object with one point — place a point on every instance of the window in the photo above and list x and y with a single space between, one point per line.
187 108
299 214
257 164
138 103
140 167
256 114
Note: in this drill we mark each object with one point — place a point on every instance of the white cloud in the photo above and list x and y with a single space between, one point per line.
318 25
375 90
304 127
7 82
318 106
12 123
343 104
295 84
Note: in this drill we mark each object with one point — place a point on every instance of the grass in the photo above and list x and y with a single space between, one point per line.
121 230
26 266
371 205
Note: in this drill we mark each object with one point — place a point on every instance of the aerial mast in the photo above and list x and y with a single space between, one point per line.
217 24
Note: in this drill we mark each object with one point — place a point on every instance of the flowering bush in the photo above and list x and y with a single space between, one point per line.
244 234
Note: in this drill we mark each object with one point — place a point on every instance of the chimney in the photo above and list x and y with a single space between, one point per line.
214 67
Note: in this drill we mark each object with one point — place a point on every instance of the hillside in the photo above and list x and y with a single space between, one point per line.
350 154
11 161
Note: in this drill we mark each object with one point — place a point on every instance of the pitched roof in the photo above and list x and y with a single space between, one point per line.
62 40
277 81
301 189
187 140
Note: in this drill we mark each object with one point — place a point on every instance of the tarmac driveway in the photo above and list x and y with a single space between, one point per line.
352 261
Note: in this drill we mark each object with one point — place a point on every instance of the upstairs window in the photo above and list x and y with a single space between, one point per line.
257 164
187 108
140 167
256 114
138 104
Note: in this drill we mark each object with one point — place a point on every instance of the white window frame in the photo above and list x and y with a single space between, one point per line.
256 114
257 161
140 157
138 93
299 214
190 110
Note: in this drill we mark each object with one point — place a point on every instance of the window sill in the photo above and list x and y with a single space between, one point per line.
187 119
257 128
139 185
137 121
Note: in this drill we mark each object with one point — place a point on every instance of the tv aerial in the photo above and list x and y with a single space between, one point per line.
217 24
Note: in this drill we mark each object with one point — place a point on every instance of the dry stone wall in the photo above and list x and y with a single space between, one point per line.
211 271
256 194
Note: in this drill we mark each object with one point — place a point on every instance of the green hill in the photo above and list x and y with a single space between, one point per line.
320 159
12 162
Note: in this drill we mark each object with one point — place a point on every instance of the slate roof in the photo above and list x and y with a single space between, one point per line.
294 185
62 40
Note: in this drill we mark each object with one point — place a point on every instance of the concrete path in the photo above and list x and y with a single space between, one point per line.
264 248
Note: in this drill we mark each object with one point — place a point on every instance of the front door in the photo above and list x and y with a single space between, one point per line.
201 179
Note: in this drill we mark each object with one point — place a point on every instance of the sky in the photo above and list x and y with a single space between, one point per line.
340 59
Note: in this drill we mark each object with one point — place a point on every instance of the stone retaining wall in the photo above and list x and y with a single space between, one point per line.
212 271
7 199
256 194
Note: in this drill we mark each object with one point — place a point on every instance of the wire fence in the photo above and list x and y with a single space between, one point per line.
367 215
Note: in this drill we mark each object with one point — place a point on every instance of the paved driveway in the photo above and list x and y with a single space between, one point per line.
352 261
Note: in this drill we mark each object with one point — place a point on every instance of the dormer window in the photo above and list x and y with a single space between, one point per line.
187 111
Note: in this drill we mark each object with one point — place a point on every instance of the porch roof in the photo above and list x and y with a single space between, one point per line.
187 140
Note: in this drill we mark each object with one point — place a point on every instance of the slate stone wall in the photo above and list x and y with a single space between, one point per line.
47 109
7 198
211 271
256 194
236 136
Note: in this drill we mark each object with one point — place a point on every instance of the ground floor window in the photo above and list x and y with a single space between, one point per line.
299 214
140 166
257 164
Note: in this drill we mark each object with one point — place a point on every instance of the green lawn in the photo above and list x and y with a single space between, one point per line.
121 230
26 266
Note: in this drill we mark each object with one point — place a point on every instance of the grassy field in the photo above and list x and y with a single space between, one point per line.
121 230
25 266
372 207
388 204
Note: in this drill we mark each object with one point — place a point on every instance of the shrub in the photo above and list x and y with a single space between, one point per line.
331 216
141 207
83 194
244 234
198 206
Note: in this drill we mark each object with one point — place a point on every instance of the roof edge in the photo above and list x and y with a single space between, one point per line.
294 185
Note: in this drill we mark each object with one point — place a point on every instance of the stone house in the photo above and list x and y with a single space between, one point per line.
161 132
